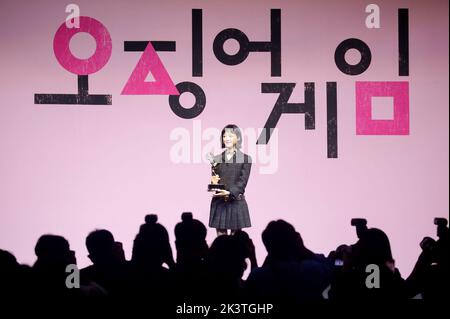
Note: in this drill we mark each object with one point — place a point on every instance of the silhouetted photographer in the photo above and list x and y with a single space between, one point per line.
430 276
368 271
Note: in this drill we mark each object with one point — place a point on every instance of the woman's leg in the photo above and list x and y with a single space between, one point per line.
221 232
233 231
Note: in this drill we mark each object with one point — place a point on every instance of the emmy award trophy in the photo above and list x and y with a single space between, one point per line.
215 185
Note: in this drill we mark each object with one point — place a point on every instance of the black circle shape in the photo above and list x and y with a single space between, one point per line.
362 65
244 46
200 100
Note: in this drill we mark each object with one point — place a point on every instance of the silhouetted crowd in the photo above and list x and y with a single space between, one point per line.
291 273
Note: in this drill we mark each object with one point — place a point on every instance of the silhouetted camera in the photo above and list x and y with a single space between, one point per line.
432 247
360 224
439 221
442 228
339 255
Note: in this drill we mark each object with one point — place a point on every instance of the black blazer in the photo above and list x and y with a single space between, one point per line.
234 173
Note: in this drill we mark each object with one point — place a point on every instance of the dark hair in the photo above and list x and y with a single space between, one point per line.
53 253
373 248
100 242
151 245
283 242
236 130
190 240
190 230
51 245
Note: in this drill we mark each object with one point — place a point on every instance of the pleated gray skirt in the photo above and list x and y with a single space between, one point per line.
232 214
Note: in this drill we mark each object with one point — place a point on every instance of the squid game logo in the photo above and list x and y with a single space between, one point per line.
366 92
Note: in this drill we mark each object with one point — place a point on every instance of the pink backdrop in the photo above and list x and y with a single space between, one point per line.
70 169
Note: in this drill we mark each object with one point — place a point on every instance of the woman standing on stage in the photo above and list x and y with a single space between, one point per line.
229 208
